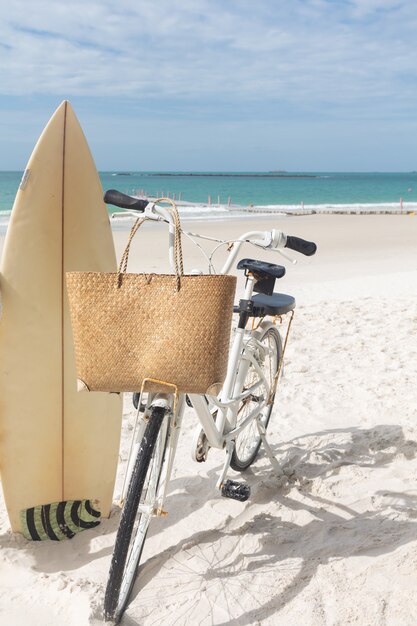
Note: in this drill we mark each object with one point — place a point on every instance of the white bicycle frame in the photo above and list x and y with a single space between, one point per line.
220 430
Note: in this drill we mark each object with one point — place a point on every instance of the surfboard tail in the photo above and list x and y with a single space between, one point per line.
58 520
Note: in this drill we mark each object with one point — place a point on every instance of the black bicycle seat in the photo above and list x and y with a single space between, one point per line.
277 304
261 267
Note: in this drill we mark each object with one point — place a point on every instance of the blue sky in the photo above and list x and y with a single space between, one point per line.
215 84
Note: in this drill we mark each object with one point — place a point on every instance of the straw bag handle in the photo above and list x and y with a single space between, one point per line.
178 256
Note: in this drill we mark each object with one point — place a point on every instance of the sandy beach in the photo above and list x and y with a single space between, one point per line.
336 542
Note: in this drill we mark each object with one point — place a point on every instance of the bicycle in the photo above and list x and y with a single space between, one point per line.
236 420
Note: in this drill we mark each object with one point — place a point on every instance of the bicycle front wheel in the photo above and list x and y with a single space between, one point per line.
266 353
136 515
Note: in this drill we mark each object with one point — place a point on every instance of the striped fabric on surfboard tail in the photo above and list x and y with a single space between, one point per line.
59 520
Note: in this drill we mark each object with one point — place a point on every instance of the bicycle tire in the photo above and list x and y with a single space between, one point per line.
134 524
248 441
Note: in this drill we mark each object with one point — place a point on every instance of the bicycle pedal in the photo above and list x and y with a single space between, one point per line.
235 490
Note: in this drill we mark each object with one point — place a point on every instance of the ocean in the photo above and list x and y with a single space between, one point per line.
213 194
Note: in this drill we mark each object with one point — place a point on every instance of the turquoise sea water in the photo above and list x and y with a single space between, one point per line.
271 189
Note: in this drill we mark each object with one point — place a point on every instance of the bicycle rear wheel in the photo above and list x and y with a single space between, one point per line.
136 515
267 355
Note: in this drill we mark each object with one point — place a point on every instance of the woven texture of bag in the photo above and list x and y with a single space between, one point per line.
130 327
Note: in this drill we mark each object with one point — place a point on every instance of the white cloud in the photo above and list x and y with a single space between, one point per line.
312 51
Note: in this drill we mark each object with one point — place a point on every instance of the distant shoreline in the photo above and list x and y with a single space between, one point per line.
232 174
275 190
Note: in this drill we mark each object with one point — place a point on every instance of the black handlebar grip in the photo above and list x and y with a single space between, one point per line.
308 248
117 198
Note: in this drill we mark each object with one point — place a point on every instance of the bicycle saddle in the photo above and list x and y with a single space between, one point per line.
275 304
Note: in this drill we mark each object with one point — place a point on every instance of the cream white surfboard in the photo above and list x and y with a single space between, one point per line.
55 444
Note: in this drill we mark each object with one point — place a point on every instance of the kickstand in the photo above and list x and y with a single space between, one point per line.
229 451
276 466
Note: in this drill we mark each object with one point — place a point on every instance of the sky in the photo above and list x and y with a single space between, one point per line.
215 85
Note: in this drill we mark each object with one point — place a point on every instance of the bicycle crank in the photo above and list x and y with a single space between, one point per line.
201 447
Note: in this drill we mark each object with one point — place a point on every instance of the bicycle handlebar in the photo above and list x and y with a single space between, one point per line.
117 198
275 239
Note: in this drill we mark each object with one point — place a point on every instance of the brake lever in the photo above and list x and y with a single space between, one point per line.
286 256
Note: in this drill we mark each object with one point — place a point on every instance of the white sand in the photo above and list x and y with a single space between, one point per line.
337 545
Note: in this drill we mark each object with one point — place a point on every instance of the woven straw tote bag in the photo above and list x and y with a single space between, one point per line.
129 328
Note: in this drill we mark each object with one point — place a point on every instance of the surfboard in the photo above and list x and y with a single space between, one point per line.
56 445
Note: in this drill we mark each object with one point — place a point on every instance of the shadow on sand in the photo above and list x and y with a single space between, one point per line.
254 548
